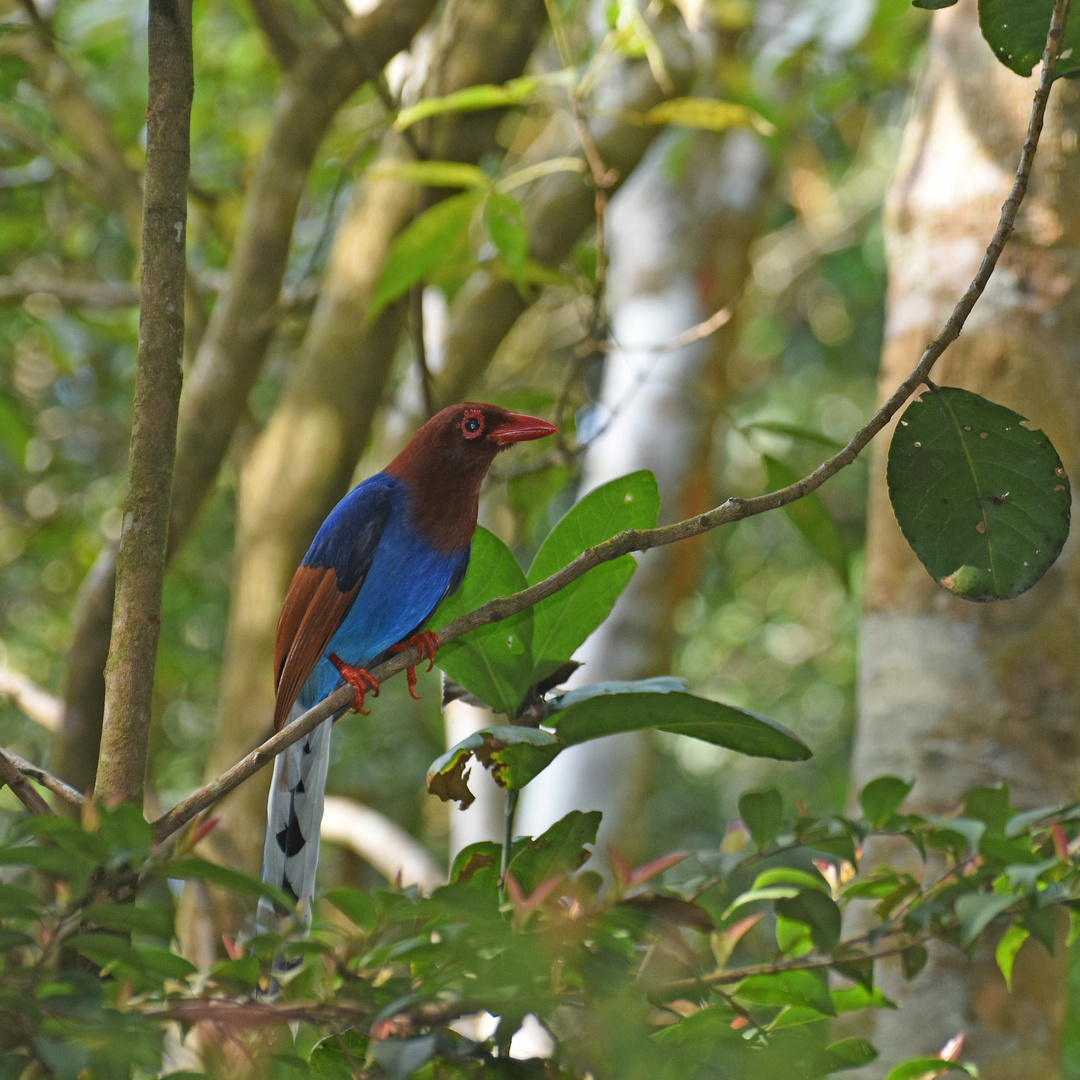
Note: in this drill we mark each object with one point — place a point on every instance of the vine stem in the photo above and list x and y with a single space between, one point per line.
734 509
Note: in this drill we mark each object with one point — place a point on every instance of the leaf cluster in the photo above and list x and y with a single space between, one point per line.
718 963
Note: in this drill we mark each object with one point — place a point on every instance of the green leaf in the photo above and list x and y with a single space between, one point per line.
982 499
437 237
563 621
913 960
816 910
918 1067
494 662
976 911
706 114
1008 947
790 875
811 518
515 755
15 431
1016 30
802 988
355 905
881 798
127 832
845 1054
193 868
559 850
433 173
505 220
483 96
680 714
660 684
134 918
762 813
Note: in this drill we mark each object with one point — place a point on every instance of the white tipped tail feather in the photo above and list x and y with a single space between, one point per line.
293 816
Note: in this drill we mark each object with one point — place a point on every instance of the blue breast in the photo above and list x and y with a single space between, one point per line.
406 581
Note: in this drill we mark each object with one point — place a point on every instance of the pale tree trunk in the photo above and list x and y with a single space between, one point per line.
956 694
678 251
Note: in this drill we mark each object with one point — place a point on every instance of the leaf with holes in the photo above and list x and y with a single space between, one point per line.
513 754
982 499
1016 31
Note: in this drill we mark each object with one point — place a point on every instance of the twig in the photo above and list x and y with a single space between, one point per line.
22 787
30 699
696 332
734 509
46 779
416 332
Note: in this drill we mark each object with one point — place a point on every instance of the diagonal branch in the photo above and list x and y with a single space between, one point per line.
734 509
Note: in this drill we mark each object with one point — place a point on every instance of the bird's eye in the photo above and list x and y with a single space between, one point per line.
472 424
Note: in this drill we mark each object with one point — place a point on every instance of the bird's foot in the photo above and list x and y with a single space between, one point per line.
427 644
359 679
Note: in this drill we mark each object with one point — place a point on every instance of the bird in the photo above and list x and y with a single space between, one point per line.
380 565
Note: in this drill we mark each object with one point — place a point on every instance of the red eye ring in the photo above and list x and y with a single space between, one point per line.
472 424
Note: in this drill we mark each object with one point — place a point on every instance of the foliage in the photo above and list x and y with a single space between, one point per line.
721 965
727 960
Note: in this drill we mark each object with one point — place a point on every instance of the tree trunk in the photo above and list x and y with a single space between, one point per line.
678 251
956 694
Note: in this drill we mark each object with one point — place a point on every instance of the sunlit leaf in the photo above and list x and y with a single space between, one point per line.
435 238
787 988
484 96
704 113
432 173
1008 947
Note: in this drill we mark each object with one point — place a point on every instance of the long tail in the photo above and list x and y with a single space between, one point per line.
293 816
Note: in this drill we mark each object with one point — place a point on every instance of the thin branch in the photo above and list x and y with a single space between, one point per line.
697 332
30 699
23 789
734 509
416 332
46 779
99 295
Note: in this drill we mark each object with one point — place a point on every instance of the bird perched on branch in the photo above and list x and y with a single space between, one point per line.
388 554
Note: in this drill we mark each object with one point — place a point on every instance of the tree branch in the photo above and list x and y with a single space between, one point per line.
46 779
30 699
129 673
22 787
734 509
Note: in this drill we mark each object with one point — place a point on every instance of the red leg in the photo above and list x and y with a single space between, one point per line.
359 679
427 642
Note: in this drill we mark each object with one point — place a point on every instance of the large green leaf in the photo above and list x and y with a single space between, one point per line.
495 661
1016 31
513 754
982 499
435 238
811 517
561 849
682 714
563 621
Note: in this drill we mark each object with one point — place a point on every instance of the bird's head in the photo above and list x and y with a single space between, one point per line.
447 459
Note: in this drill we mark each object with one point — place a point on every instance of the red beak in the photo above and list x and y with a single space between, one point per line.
517 427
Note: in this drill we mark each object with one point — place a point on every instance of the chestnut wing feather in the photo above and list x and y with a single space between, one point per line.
325 586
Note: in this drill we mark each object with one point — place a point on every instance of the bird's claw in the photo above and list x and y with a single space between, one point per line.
359 679
427 644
